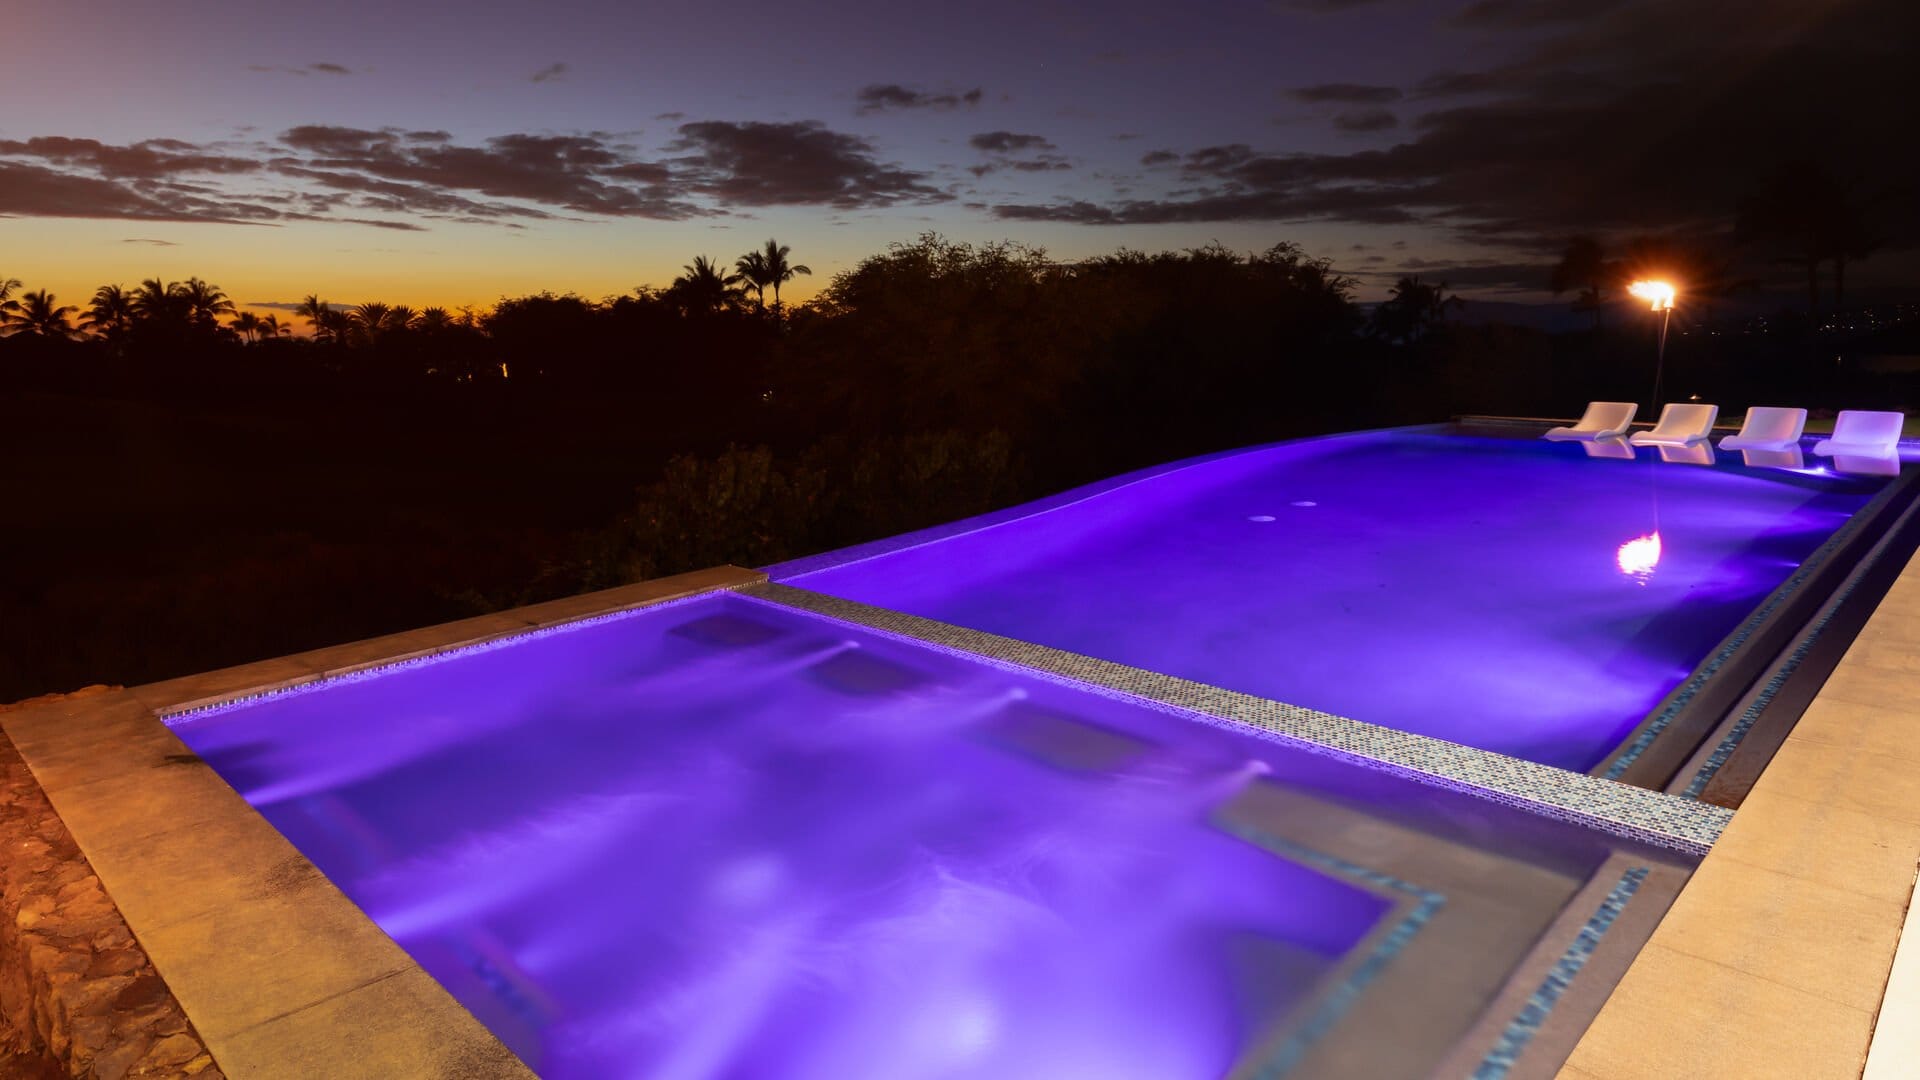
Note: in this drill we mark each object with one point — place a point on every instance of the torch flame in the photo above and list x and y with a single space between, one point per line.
1638 556
1658 293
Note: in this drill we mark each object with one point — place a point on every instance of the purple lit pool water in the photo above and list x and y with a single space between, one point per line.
1507 594
721 838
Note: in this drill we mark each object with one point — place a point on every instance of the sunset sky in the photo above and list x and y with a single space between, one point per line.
440 153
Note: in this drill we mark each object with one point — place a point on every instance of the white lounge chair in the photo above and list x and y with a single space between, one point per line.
1603 419
1680 423
1863 434
1768 427
1773 459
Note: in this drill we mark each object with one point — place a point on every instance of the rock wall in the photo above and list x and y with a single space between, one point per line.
78 996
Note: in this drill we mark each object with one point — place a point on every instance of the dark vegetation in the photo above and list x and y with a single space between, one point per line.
190 487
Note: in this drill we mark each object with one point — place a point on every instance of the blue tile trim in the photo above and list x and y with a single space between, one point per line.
1327 1014
1524 1026
1738 733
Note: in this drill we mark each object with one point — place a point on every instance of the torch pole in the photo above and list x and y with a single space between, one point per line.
1660 357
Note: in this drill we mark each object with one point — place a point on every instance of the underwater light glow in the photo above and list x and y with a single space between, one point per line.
1638 556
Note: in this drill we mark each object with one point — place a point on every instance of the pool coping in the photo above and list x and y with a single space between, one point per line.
1775 959
273 965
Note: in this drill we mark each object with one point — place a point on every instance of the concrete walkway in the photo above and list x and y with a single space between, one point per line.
1774 961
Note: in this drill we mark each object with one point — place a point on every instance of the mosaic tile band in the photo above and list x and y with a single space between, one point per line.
1425 903
1634 813
1526 1025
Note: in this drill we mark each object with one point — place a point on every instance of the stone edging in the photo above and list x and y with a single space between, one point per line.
78 995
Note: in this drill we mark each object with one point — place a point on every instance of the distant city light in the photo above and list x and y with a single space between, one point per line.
1658 293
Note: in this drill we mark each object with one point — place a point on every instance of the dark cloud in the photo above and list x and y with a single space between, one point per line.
882 96
1159 157
33 190
1648 117
1346 93
325 68
549 73
148 240
767 164
1364 120
148 160
394 179
579 173
1006 142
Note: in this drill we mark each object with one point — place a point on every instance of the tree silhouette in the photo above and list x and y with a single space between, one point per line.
110 313
159 304
271 327
41 315
367 322
1809 215
705 289
247 325
753 271
1412 311
777 269
204 303
8 305
1583 266
319 313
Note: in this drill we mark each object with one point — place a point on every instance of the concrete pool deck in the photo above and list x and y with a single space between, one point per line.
1775 959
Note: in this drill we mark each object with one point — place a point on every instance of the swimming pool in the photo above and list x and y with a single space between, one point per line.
721 837
1510 594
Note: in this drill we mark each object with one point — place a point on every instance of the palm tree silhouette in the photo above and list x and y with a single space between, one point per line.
8 305
318 312
1413 310
705 289
270 327
40 314
247 325
777 269
110 313
157 302
205 303
367 322
434 320
753 270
